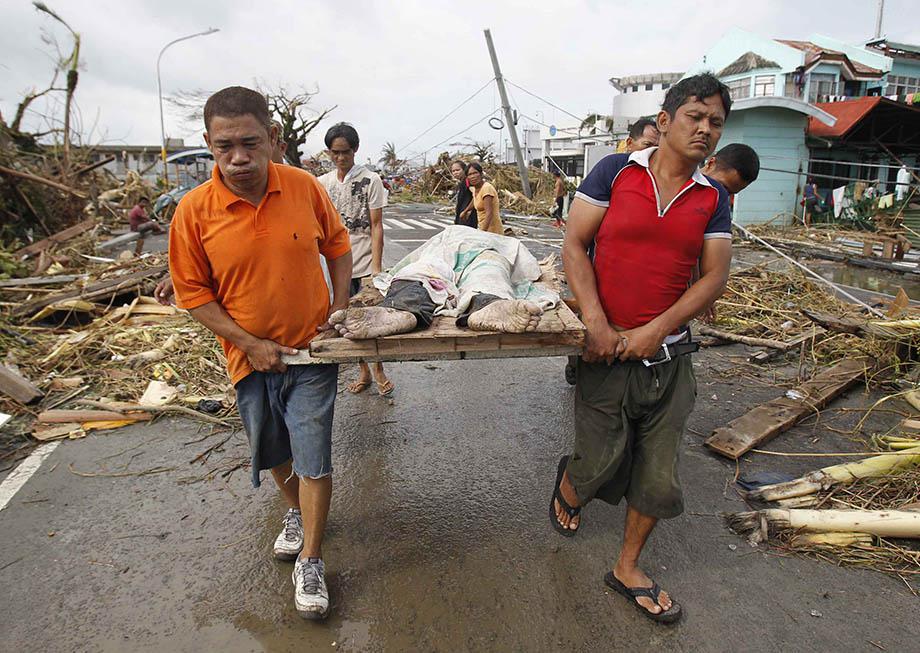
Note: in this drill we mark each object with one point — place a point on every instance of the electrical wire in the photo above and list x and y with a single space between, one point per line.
449 114
542 99
464 130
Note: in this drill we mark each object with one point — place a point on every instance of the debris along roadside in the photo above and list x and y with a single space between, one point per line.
435 184
863 511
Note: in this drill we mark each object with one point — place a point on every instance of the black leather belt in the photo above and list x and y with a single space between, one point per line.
669 352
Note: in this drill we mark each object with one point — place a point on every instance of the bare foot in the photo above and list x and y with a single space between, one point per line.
371 322
635 577
507 316
550 323
571 498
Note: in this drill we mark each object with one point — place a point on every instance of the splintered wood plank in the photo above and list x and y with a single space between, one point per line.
768 420
18 387
59 237
105 290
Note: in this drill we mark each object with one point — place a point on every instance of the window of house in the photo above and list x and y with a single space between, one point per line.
820 86
902 85
764 85
665 86
649 87
635 88
740 88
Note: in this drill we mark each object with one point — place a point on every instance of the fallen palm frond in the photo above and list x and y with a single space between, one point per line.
842 474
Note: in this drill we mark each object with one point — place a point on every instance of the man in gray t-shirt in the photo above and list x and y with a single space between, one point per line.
359 196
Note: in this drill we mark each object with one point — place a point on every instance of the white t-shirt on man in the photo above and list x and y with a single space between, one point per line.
354 197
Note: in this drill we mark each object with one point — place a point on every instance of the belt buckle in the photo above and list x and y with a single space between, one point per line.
666 359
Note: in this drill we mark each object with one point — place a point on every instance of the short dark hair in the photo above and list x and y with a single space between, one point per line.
557 174
459 162
342 130
236 101
699 86
143 198
475 165
741 158
637 129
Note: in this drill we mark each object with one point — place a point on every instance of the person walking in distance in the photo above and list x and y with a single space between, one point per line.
485 200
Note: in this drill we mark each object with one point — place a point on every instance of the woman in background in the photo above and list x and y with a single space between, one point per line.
485 200
464 214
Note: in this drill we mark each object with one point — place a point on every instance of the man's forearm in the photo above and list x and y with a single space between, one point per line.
376 240
694 301
340 273
580 277
216 319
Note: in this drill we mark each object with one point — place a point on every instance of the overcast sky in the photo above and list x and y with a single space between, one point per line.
394 68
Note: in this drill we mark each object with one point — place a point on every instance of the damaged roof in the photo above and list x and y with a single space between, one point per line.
745 63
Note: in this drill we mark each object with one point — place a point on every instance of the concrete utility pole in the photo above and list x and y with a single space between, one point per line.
512 129
878 18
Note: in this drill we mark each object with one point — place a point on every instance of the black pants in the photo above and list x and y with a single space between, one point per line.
557 213
411 296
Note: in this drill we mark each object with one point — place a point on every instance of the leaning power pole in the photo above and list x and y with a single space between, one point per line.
512 128
878 18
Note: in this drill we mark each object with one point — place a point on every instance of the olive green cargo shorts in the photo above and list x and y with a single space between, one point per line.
629 420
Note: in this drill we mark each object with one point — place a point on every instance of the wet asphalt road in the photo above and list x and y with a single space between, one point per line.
438 536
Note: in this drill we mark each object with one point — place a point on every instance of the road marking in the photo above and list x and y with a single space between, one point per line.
18 477
400 225
550 243
422 225
386 226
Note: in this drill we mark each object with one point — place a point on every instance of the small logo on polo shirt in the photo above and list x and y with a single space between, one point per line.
701 211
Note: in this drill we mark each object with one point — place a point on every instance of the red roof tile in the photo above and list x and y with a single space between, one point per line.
848 114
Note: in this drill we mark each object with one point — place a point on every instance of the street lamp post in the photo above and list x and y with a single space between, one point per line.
210 30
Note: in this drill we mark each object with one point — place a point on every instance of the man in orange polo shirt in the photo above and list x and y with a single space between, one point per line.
244 254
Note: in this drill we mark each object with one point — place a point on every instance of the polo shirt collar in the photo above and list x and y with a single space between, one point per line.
228 197
643 158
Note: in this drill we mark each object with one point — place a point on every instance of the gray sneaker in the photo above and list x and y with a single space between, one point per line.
290 541
311 598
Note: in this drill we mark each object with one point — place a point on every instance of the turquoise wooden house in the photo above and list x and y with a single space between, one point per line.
775 127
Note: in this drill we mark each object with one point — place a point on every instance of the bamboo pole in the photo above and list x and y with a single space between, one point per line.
842 474
881 523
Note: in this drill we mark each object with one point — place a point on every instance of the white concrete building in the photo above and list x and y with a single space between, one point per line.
641 95
531 146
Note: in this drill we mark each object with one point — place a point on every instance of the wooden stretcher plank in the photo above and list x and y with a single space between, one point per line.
768 420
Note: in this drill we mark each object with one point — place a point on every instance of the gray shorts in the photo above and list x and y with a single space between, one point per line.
288 416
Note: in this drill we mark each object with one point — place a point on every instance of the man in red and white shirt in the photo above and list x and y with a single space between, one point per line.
652 216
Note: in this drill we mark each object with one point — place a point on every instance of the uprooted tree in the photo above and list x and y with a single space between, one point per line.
292 109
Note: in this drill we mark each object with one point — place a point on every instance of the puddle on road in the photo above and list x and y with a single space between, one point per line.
878 281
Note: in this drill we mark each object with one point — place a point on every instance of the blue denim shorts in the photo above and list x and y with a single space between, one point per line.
288 415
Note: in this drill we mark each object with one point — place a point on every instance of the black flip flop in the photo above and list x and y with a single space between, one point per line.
669 616
557 496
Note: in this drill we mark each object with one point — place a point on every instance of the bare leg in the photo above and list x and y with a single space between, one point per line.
288 483
363 381
384 385
372 322
627 571
315 495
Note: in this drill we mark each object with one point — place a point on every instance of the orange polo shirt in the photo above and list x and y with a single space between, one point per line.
261 263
